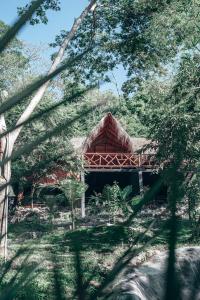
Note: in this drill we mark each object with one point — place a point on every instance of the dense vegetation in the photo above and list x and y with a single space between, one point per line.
157 43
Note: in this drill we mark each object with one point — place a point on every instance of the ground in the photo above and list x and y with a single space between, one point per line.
63 264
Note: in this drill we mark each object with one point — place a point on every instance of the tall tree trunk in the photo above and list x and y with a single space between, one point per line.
10 139
3 220
58 59
4 190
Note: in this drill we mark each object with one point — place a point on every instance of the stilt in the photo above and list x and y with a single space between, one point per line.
141 183
83 196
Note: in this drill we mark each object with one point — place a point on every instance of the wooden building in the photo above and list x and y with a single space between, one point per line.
110 154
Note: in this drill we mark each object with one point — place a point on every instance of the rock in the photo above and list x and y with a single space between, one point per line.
147 282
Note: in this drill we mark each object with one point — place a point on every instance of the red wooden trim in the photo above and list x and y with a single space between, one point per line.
119 160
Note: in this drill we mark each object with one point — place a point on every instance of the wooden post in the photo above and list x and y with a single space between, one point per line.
141 183
83 196
3 217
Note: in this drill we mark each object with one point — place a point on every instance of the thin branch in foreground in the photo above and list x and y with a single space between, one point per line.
17 26
50 109
57 130
31 88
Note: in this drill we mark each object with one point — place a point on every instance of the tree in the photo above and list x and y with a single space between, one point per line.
54 154
40 12
171 110
73 190
13 63
123 109
181 115
9 140
144 36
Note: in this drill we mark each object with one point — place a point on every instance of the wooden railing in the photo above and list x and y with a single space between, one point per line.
119 160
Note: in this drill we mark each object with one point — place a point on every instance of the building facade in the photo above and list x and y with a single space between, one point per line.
110 155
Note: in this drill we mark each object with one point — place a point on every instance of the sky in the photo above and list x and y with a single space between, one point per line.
44 34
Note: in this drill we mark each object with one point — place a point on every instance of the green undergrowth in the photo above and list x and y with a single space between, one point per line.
57 258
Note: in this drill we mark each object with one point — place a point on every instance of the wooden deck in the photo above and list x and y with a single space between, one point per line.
119 161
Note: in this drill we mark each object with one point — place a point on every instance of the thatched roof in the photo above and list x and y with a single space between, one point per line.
138 144
81 144
112 125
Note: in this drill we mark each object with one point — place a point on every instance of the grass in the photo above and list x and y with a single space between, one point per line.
62 255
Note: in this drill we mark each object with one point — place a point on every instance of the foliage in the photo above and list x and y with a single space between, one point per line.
132 26
121 108
55 153
193 195
143 36
113 201
73 190
110 195
100 247
40 13
172 113
14 64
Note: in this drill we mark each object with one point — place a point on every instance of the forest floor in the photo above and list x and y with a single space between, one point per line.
58 257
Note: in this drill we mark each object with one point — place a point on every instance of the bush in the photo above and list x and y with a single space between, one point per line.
113 201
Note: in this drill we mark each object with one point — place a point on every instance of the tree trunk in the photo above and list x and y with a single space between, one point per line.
3 220
83 196
32 194
73 219
4 190
58 59
8 141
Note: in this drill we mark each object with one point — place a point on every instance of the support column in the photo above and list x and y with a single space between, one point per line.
3 217
141 186
83 196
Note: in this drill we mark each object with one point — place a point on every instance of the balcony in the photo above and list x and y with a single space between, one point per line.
119 161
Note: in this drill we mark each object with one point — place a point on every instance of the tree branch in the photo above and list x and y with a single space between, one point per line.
40 93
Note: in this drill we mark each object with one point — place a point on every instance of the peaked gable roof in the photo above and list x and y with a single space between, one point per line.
110 128
132 144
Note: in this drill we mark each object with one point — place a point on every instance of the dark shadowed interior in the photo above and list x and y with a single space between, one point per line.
97 180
